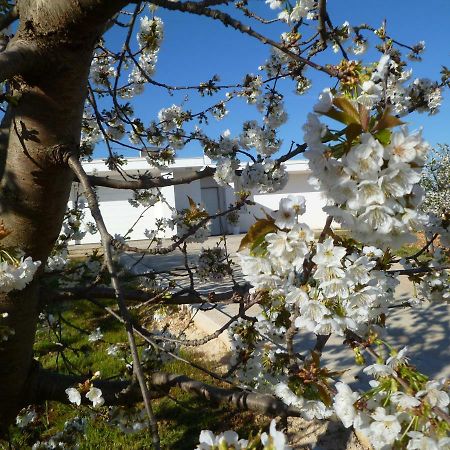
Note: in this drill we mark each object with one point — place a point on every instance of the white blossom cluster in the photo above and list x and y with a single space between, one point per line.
436 184
310 409
128 420
345 292
26 417
212 264
434 286
226 171
251 88
90 132
94 395
348 292
266 176
16 273
65 438
227 146
391 416
88 269
229 440
372 188
57 261
171 118
75 227
171 122
320 287
263 139
149 40
186 220
421 95
301 9
439 225
145 198
102 68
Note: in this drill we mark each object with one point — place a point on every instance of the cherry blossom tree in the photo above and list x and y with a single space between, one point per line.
66 88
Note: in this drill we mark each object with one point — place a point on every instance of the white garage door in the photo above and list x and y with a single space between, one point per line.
210 198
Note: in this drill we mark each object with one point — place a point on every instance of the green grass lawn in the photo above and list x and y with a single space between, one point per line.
67 348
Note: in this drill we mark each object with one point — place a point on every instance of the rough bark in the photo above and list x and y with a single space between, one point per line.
35 185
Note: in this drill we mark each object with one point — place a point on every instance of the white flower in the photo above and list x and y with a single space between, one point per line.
402 147
327 254
364 160
369 192
276 440
208 440
283 392
313 409
279 244
371 94
274 4
95 396
301 232
297 296
288 211
113 350
385 428
325 102
382 68
373 252
379 218
301 9
397 359
343 404
404 401
96 335
419 441
26 419
225 171
378 370
314 310
434 394
73 395
17 276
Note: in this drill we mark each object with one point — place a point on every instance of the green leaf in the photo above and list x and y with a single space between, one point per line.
345 105
353 131
340 116
384 136
364 117
257 231
324 394
338 150
387 120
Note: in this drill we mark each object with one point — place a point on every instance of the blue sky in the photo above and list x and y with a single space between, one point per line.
196 48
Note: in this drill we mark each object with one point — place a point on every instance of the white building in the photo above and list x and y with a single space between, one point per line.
121 217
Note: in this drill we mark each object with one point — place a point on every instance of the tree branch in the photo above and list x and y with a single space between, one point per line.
52 386
227 20
91 198
146 182
17 59
182 298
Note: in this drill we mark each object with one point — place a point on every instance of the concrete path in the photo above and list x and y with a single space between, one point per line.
425 331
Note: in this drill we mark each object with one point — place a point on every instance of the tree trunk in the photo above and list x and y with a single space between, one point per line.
36 180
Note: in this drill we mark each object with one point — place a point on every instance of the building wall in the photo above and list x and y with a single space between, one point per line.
120 216
297 185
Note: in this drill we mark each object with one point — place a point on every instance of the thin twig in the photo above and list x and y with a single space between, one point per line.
91 198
